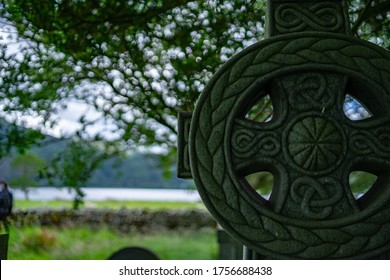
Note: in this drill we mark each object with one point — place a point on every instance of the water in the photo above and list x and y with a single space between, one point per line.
98 194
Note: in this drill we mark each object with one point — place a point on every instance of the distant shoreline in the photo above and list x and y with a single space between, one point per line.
98 194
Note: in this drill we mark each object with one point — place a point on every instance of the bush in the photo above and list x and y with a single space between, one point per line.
39 239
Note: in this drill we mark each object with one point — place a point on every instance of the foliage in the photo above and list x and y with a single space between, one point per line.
371 20
136 170
136 62
27 168
131 170
39 240
13 137
81 244
361 182
74 166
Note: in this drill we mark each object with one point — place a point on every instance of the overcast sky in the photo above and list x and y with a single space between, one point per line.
67 119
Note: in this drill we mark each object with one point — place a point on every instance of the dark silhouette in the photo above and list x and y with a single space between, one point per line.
6 203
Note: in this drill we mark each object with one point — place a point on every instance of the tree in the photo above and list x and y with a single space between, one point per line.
28 167
16 138
136 62
74 166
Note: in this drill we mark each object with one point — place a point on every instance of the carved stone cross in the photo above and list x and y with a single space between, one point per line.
306 67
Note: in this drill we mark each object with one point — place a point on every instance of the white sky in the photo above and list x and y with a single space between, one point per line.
68 120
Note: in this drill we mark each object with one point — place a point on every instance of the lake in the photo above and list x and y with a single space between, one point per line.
47 193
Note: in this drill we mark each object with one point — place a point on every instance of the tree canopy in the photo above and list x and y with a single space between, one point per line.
27 167
136 62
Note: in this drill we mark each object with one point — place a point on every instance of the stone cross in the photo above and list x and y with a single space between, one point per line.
306 66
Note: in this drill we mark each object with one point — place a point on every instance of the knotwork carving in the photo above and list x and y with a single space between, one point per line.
316 198
291 17
368 142
247 144
360 234
309 91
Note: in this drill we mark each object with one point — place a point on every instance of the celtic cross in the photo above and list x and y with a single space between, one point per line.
306 67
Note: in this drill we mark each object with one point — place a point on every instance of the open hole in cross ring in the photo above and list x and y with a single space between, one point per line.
262 182
355 110
261 111
360 182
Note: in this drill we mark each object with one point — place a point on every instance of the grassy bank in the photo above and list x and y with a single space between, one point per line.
86 244
83 243
113 204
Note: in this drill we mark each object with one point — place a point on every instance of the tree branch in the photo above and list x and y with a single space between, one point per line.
157 118
369 12
361 18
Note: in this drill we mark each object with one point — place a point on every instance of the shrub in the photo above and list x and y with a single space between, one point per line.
40 239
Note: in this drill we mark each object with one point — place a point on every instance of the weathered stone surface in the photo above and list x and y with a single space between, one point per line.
302 15
183 160
310 145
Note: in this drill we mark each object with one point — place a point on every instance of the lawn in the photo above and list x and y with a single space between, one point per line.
87 244
32 243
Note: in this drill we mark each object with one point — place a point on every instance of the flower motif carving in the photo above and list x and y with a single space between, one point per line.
315 143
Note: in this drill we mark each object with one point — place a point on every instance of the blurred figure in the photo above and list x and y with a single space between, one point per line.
6 203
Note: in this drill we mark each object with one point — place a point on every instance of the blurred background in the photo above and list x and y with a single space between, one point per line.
89 96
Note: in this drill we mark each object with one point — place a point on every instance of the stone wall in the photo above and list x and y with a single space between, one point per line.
123 220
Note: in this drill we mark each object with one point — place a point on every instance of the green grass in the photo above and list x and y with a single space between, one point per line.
87 244
32 243
113 204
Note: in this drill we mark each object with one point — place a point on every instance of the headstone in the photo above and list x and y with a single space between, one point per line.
307 66
134 253
4 246
229 248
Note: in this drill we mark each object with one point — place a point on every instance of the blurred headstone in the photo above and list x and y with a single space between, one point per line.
4 246
134 253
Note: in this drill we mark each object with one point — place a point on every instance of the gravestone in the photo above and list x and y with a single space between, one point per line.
134 253
4 246
307 66
229 248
